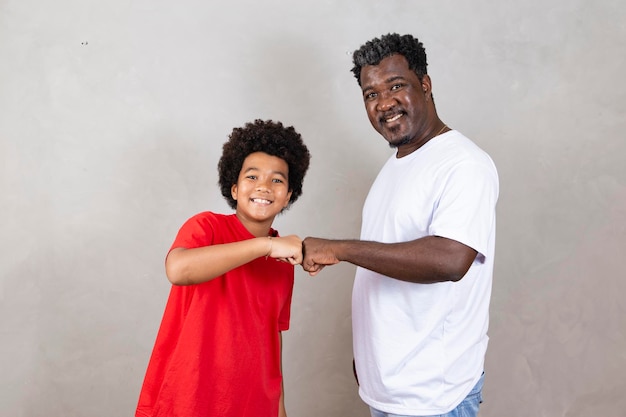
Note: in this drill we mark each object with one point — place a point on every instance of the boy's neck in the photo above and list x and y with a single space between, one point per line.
257 229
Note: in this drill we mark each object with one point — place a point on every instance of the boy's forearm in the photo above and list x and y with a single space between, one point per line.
197 265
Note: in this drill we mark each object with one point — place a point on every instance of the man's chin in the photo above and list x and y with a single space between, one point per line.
398 141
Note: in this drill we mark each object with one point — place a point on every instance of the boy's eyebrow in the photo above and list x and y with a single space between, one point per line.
282 174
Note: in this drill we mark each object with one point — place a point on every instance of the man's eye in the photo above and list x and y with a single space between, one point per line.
370 96
396 86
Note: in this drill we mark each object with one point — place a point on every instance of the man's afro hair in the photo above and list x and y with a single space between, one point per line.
374 51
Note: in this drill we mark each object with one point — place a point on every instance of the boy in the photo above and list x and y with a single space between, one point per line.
218 350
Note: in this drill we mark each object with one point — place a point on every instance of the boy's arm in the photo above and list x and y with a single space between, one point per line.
194 266
281 405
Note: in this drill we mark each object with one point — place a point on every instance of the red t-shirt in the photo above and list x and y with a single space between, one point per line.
217 352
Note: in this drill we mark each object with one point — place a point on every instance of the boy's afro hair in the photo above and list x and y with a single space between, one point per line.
263 136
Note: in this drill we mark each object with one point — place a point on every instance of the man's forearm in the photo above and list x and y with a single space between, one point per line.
426 260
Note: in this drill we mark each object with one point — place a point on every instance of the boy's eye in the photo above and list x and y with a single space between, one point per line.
251 177
277 180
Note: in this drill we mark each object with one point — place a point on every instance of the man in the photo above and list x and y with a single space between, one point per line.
420 303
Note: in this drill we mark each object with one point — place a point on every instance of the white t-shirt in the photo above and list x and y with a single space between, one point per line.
420 348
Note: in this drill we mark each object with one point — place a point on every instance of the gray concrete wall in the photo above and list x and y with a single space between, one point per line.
112 116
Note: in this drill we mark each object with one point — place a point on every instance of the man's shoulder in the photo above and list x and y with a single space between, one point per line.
459 146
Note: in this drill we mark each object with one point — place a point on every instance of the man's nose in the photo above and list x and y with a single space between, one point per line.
385 102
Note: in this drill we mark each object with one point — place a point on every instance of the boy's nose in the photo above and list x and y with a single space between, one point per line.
262 186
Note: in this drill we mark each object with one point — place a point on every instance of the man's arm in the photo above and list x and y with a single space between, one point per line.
426 260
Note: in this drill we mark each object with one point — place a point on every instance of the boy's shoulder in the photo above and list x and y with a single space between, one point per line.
210 215
210 219
205 227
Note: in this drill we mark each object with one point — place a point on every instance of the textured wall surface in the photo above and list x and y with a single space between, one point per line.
112 116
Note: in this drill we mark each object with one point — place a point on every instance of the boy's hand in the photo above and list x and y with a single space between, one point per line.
287 249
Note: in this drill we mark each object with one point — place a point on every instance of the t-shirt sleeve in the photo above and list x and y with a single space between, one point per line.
285 314
196 232
465 211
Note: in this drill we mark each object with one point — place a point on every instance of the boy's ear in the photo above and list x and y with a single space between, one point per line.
288 199
233 191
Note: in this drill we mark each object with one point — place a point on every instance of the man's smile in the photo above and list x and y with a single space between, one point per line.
394 118
390 118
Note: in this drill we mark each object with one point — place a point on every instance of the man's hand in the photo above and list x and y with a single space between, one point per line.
317 254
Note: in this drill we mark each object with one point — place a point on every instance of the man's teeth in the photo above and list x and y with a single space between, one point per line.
394 118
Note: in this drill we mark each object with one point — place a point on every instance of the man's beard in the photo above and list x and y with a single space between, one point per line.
393 144
405 140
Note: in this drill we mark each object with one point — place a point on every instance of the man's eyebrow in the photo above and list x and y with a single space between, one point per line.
394 78
387 81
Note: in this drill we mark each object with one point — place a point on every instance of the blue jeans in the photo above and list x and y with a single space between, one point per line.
467 408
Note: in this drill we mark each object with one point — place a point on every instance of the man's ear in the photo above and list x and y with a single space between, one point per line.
426 86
